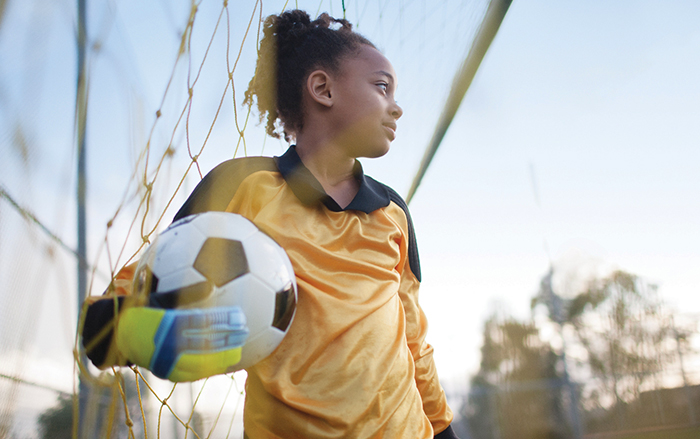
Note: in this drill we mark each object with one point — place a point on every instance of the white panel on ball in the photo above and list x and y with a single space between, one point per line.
254 297
267 262
171 245
179 279
219 225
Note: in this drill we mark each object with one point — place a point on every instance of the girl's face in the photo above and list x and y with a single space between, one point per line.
365 109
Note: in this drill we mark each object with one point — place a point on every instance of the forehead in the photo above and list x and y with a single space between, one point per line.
368 60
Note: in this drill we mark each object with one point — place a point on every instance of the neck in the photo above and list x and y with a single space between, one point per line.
331 167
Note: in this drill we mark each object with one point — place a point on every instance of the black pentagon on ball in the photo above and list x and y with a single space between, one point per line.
285 304
221 260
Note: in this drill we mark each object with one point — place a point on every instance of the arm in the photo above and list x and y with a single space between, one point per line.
434 400
433 396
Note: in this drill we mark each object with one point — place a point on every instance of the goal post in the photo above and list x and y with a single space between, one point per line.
487 31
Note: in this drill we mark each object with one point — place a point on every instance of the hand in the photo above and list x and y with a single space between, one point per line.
179 344
182 344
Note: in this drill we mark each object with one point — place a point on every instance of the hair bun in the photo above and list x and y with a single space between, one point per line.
290 26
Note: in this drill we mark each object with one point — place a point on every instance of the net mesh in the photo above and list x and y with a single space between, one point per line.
165 81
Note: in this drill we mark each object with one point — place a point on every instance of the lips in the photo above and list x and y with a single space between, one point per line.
391 128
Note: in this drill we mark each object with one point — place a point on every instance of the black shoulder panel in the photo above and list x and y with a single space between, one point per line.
219 186
413 258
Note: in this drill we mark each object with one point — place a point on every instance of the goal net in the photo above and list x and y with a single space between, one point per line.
165 82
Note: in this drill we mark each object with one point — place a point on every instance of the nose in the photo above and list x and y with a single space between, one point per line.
396 111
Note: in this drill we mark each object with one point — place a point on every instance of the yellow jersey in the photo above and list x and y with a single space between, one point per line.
355 362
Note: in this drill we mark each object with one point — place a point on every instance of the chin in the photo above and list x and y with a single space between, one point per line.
378 149
376 153
369 148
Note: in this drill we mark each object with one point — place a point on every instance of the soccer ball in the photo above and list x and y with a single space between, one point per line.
220 260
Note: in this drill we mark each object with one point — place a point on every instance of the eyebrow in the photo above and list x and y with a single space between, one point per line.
385 73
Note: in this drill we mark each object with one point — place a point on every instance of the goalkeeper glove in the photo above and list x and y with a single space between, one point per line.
173 343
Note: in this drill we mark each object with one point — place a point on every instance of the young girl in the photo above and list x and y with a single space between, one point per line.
355 363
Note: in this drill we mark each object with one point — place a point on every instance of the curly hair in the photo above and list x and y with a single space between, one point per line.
291 48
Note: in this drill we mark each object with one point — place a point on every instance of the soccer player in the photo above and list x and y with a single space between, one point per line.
355 362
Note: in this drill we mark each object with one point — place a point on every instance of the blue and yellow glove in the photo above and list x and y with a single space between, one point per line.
182 344
173 343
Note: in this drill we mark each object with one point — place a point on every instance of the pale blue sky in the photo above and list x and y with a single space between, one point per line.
601 99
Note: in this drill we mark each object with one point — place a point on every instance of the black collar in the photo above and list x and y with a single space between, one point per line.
371 196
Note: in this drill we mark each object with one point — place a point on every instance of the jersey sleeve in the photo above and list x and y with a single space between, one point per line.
426 377
433 396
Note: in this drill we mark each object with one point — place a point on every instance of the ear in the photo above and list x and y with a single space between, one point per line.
318 85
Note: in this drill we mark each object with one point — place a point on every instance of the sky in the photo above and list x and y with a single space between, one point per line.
597 102
577 145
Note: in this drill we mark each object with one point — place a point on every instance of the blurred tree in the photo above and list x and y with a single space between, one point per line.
624 342
628 337
625 338
517 391
106 409
57 422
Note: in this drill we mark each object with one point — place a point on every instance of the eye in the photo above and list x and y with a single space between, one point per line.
383 85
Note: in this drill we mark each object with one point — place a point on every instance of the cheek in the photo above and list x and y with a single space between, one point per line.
360 113
368 122
357 126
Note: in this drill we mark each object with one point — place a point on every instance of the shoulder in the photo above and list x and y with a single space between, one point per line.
395 198
217 188
238 169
